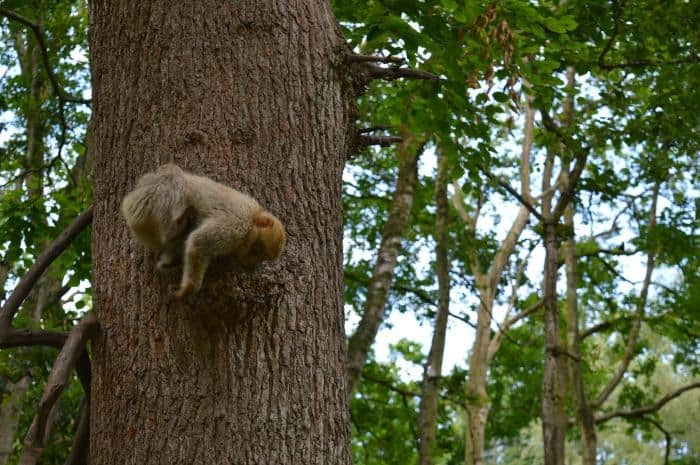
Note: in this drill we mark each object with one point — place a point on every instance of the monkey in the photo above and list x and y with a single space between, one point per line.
189 218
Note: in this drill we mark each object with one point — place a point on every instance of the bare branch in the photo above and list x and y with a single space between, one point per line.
641 411
38 32
58 379
43 261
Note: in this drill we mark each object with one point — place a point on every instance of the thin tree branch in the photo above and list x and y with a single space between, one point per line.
613 34
694 59
81 441
58 379
462 319
607 324
510 190
43 261
38 32
641 411
667 435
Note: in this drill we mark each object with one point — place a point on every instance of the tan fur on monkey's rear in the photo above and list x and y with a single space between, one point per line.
175 212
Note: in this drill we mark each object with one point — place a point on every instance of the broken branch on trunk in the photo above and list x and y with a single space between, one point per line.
67 359
43 261
394 72
382 141
358 58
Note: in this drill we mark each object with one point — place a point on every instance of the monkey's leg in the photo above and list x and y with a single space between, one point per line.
212 238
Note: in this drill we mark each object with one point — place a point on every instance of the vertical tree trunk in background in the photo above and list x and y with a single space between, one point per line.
584 413
428 409
252 369
387 255
482 352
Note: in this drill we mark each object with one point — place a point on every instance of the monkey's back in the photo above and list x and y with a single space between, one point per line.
211 199
153 209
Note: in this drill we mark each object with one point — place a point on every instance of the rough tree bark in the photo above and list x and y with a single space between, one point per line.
387 255
252 369
428 408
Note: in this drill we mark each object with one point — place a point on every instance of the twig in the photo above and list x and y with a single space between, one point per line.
43 261
667 435
58 379
462 319
510 190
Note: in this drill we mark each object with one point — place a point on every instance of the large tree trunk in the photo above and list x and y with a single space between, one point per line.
251 370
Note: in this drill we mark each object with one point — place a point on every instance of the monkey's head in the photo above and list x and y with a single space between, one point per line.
271 236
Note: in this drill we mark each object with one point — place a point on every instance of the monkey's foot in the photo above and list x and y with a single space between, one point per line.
183 291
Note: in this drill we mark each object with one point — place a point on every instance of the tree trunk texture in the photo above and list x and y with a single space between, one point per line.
428 408
378 289
251 370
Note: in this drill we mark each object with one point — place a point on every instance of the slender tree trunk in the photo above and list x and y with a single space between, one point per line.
584 413
251 370
362 339
554 418
428 409
484 347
